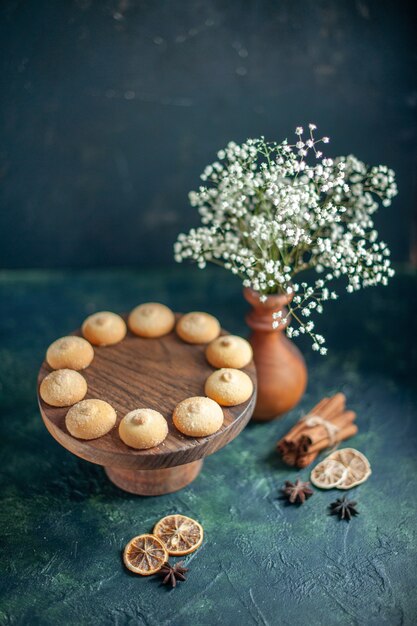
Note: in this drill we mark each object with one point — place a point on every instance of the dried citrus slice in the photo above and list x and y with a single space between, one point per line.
180 534
328 474
357 465
145 555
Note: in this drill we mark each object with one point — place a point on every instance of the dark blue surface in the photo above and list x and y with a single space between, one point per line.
110 110
63 525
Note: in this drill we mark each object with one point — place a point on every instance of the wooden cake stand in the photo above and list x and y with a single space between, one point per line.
157 374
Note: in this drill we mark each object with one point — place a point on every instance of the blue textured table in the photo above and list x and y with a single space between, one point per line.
63 525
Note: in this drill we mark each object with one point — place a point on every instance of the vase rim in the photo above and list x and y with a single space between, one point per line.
277 300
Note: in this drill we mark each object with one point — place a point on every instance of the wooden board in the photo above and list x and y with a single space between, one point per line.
153 373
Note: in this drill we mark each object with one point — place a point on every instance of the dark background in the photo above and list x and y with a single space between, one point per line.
110 110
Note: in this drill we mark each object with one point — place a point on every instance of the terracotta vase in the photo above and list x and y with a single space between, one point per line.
281 370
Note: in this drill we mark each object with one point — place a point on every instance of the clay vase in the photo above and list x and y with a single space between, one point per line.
281 370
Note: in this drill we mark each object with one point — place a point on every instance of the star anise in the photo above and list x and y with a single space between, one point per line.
173 573
298 492
344 508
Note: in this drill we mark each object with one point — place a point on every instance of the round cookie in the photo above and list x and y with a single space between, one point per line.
229 386
198 327
151 320
198 417
90 419
143 428
104 328
63 388
74 353
229 351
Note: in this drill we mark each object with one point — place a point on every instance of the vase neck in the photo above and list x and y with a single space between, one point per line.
261 318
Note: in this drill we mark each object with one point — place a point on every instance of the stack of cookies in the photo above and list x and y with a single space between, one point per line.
145 427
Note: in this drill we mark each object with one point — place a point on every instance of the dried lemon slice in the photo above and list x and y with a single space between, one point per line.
145 555
180 534
328 474
357 465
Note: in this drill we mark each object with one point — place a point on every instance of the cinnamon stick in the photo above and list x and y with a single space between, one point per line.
295 430
290 458
316 434
305 440
326 409
345 433
305 459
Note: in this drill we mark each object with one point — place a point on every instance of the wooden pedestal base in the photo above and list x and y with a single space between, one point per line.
154 482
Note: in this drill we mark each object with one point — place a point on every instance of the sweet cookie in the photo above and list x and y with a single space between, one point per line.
63 388
74 353
198 327
90 419
229 351
151 320
229 387
143 428
104 328
198 417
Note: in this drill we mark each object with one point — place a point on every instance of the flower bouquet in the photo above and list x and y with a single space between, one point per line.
271 212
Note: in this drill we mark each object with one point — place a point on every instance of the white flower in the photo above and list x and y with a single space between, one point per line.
271 210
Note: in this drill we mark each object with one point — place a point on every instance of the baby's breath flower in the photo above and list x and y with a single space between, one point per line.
269 212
